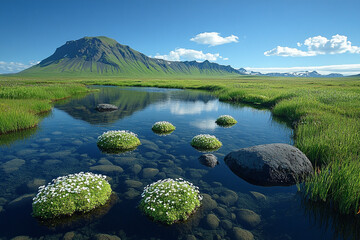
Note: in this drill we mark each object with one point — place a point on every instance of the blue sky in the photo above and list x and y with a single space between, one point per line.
276 35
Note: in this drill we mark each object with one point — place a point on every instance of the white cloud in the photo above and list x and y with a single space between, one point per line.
287 52
181 54
345 69
206 124
317 46
189 108
213 38
14 67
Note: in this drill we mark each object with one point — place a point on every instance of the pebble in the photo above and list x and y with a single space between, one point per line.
102 236
107 168
242 234
136 168
133 184
248 218
13 165
212 221
149 172
258 196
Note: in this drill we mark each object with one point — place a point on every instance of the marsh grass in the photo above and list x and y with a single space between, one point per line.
21 103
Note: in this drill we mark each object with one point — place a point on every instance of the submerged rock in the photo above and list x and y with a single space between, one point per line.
106 168
248 218
209 160
212 221
242 234
149 172
13 165
258 196
102 236
270 164
104 107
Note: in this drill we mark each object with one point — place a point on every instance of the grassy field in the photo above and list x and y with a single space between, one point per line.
323 112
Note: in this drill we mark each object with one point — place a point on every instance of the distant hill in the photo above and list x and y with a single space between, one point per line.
291 74
105 56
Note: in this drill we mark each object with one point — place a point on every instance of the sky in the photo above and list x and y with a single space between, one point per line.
258 35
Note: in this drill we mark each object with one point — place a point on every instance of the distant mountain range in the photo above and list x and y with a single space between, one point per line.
291 74
101 55
105 56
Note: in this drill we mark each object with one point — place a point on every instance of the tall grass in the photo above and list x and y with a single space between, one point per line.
21 102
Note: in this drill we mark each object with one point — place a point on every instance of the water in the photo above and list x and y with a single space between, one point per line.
65 142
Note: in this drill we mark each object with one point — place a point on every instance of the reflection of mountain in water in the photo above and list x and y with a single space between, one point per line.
128 100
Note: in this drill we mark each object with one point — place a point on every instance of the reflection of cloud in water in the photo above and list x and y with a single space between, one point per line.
207 124
189 108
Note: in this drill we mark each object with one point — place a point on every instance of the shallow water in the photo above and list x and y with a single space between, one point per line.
65 142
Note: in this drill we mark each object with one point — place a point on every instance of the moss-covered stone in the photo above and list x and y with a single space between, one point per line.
117 141
205 142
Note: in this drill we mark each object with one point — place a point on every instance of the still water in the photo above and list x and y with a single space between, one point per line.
65 142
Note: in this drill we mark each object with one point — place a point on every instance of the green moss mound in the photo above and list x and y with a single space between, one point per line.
63 196
163 127
169 201
205 142
118 141
226 121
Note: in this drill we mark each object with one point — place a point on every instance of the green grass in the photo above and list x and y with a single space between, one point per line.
22 102
163 127
117 141
323 112
205 142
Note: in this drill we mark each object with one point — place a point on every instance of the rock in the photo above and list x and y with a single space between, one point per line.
226 224
43 140
209 160
102 236
69 236
52 162
152 155
242 234
149 172
136 168
56 133
131 193
26 152
228 197
2 201
133 184
21 238
104 161
13 165
190 237
221 212
77 142
208 203
270 164
248 218
104 107
212 221
35 184
106 168
258 196
1 208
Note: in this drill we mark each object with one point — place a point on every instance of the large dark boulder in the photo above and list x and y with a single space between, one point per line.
270 164
104 107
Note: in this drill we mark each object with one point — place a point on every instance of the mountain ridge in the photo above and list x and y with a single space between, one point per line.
105 56
291 74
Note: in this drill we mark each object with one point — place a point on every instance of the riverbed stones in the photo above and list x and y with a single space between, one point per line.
12 165
136 168
21 238
107 168
270 164
226 224
242 234
209 160
131 193
105 107
133 183
248 218
69 236
208 203
258 196
34 184
149 172
102 236
212 221
228 197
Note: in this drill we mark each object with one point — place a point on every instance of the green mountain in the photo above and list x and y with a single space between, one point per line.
105 56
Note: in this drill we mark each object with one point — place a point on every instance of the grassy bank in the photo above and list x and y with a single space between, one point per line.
324 113
21 102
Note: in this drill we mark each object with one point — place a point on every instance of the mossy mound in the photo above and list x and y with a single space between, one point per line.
118 141
226 121
66 195
163 127
169 201
205 142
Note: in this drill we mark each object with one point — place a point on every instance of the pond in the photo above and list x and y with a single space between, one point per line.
65 142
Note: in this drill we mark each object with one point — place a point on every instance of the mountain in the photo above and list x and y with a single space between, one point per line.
291 74
104 56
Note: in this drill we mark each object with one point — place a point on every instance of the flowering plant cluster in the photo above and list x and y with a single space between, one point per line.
205 142
163 127
170 200
226 120
118 140
66 195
